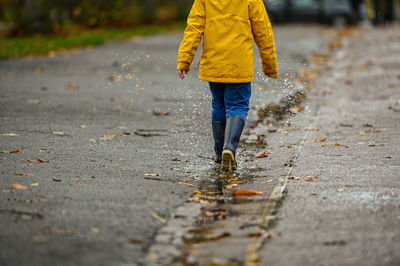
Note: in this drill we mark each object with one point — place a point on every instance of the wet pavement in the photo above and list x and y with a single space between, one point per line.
115 158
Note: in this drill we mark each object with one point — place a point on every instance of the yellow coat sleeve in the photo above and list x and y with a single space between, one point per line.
192 36
264 37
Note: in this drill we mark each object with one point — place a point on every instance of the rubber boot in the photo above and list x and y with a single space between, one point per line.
218 128
233 131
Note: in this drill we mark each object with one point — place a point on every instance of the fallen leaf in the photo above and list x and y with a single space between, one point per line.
93 140
135 240
263 154
320 140
33 101
391 86
39 69
95 230
34 184
230 186
186 184
56 180
18 186
10 134
24 174
340 190
14 151
63 212
82 126
71 87
160 114
39 239
269 181
41 161
367 125
296 109
187 172
152 174
61 232
108 137
311 129
366 132
176 160
196 192
153 256
245 192
114 78
162 220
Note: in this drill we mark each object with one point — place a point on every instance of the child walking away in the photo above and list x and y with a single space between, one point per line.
228 28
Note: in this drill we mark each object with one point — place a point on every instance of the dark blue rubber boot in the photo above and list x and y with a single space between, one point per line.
233 131
218 128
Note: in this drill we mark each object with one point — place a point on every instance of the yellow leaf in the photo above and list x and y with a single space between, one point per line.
18 186
152 174
185 184
108 137
10 134
245 192
197 192
162 220
366 132
95 230
63 212
24 174
34 184
59 133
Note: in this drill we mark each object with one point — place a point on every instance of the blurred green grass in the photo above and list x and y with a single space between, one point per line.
14 47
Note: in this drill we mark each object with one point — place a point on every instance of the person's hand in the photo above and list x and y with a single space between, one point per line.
181 75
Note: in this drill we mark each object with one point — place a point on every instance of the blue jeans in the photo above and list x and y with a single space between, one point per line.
230 99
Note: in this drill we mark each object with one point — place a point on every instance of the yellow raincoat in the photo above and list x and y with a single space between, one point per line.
228 28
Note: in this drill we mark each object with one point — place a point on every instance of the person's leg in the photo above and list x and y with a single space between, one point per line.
218 118
237 99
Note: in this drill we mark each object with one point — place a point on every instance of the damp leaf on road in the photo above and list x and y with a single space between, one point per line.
245 192
196 192
152 174
155 215
34 184
108 137
135 240
13 151
39 239
24 174
59 133
186 184
18 186
95 230
263 154
366 132
320 140
10 134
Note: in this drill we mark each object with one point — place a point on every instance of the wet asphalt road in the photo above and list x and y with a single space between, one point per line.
115 131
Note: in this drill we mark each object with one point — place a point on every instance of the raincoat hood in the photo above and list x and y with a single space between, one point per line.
229 29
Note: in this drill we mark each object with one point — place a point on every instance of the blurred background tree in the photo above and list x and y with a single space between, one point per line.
23 17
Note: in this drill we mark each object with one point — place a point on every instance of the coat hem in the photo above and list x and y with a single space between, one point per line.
226 79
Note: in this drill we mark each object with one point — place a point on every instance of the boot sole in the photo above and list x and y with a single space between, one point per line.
228 161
